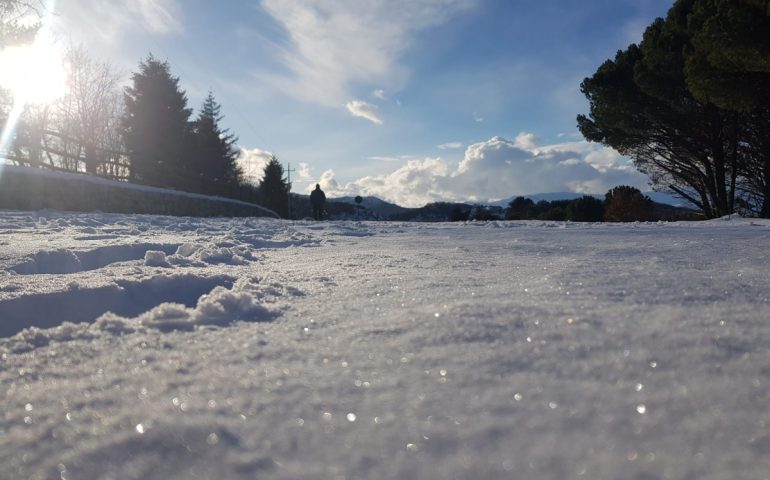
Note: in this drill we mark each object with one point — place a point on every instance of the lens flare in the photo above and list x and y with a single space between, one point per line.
34 74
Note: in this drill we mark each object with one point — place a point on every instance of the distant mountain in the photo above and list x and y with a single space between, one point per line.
668 199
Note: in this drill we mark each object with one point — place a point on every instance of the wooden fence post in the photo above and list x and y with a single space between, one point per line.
35 146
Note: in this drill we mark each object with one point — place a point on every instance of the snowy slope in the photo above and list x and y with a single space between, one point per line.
256 348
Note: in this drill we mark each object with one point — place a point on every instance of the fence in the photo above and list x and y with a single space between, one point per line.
44 148
54 170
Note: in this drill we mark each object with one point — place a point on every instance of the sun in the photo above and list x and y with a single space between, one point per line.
34 74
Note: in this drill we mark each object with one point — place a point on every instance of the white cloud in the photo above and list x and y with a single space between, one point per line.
477 118
377 158
361 109
103 21
526 141
253 162
450 146
162 16
304 173
414 184
498 168
336 45
380 93
327 182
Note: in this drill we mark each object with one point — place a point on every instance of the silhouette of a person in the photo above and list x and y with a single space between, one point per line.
317 200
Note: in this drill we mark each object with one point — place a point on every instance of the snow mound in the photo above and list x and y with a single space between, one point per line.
52 262
248 301
153 258
220 307
67 261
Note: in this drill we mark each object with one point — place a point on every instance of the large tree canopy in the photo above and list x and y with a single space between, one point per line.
654 102
728 64
728 59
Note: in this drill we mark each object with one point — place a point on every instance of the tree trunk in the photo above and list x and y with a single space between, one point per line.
92 160
765 213
35 148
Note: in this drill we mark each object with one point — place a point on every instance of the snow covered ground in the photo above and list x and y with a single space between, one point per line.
257 348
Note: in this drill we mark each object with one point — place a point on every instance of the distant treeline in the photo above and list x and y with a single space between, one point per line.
620 204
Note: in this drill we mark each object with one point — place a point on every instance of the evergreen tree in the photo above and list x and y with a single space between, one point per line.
556 210
585 209
627 204
215 156
520 208
156 127
273 189
458 215
728 64
640 106
691 103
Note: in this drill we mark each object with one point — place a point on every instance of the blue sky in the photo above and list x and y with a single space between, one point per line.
410 100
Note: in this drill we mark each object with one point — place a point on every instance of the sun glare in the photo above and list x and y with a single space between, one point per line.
34 73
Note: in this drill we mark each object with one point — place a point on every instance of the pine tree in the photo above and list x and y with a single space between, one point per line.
728 61
728 64
156 127
273 189
585 209
641 107
520 208
215 156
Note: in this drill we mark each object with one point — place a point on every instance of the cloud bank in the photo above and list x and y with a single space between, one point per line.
495 169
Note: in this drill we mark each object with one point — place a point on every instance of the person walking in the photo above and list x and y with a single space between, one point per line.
317 200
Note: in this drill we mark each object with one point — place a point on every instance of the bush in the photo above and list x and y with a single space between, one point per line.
627 204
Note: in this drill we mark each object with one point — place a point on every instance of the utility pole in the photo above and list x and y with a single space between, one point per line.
288 180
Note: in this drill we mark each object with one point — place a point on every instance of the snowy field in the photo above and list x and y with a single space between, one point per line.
256 348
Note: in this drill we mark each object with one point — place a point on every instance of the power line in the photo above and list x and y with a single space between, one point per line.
288 180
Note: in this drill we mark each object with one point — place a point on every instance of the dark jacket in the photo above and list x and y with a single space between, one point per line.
317 197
